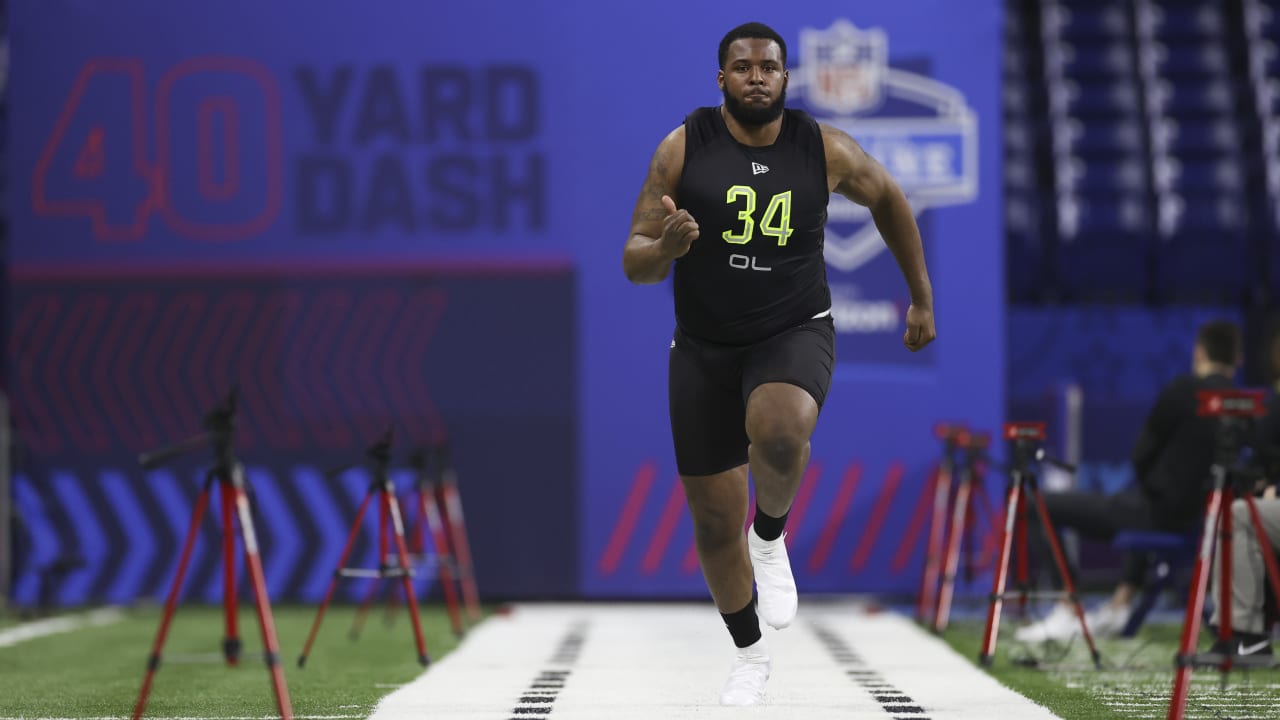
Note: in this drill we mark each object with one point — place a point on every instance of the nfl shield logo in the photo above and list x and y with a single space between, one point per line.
843 67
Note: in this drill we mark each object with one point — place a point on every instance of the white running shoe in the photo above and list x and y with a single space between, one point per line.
1107 620
775 586
1060 624
747 676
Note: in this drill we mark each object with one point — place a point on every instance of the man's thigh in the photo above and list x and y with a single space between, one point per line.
1099 516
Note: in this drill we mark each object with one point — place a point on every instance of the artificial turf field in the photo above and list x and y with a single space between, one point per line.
95 671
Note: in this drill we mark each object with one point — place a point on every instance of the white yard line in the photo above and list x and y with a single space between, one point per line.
54 626
630 661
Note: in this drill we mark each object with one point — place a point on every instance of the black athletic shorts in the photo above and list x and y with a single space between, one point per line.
708 386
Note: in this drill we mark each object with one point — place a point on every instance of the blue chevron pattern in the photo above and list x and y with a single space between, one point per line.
143 544
115 536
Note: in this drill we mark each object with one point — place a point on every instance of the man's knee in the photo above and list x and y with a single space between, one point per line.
780 418
779 446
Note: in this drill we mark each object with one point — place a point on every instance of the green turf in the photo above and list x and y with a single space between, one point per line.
96 672
1136 680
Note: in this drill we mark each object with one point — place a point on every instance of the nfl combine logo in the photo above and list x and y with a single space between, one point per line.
843 69
921 130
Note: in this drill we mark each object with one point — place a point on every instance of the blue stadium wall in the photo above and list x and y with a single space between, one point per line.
410 216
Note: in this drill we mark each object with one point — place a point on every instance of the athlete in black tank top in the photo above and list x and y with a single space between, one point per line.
768 205
735 200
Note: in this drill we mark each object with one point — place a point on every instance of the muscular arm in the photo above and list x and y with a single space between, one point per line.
858 177
645 260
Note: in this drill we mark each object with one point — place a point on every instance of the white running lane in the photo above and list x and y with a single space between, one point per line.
641 661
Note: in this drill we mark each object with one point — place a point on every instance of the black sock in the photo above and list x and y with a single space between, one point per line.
743 625
769 528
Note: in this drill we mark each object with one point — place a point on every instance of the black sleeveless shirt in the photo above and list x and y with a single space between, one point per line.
756 268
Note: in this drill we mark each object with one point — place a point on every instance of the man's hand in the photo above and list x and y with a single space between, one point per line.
920 330
679 230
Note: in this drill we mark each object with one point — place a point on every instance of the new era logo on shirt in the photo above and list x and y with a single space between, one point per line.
758 169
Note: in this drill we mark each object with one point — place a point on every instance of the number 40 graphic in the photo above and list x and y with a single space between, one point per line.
211 168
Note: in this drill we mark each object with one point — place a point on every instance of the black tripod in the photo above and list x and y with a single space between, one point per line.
228 474
1026 442
390 524
1235 410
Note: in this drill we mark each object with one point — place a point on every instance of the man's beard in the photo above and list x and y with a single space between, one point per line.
751 116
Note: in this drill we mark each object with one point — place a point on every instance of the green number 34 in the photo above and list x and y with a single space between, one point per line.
775 223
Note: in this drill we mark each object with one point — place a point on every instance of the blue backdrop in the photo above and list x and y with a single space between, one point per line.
473 144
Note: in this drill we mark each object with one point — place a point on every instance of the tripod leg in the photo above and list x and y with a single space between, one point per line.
940 486
170 604
1021 573
393 597
461 549
333 583
431 515
1226 531
253 564
955 537
987 653
1195 605
393 508
362 613
1060 561
230 609
970 534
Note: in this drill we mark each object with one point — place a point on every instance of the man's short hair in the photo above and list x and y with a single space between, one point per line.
751 31
1221 342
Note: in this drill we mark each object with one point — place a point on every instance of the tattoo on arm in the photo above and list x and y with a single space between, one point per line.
656 187
649 209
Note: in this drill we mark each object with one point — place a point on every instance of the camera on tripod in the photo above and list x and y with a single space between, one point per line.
1240 451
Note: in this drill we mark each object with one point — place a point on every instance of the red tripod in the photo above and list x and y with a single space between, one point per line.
428 521
1234 409
964 520
450 502
926 600
228 475
390 526
1026 444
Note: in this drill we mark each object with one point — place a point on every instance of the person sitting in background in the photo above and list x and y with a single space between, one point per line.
1171 461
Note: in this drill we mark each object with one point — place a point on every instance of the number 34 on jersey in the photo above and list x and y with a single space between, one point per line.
775 223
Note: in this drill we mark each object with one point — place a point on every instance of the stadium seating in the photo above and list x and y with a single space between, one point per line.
1142 150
